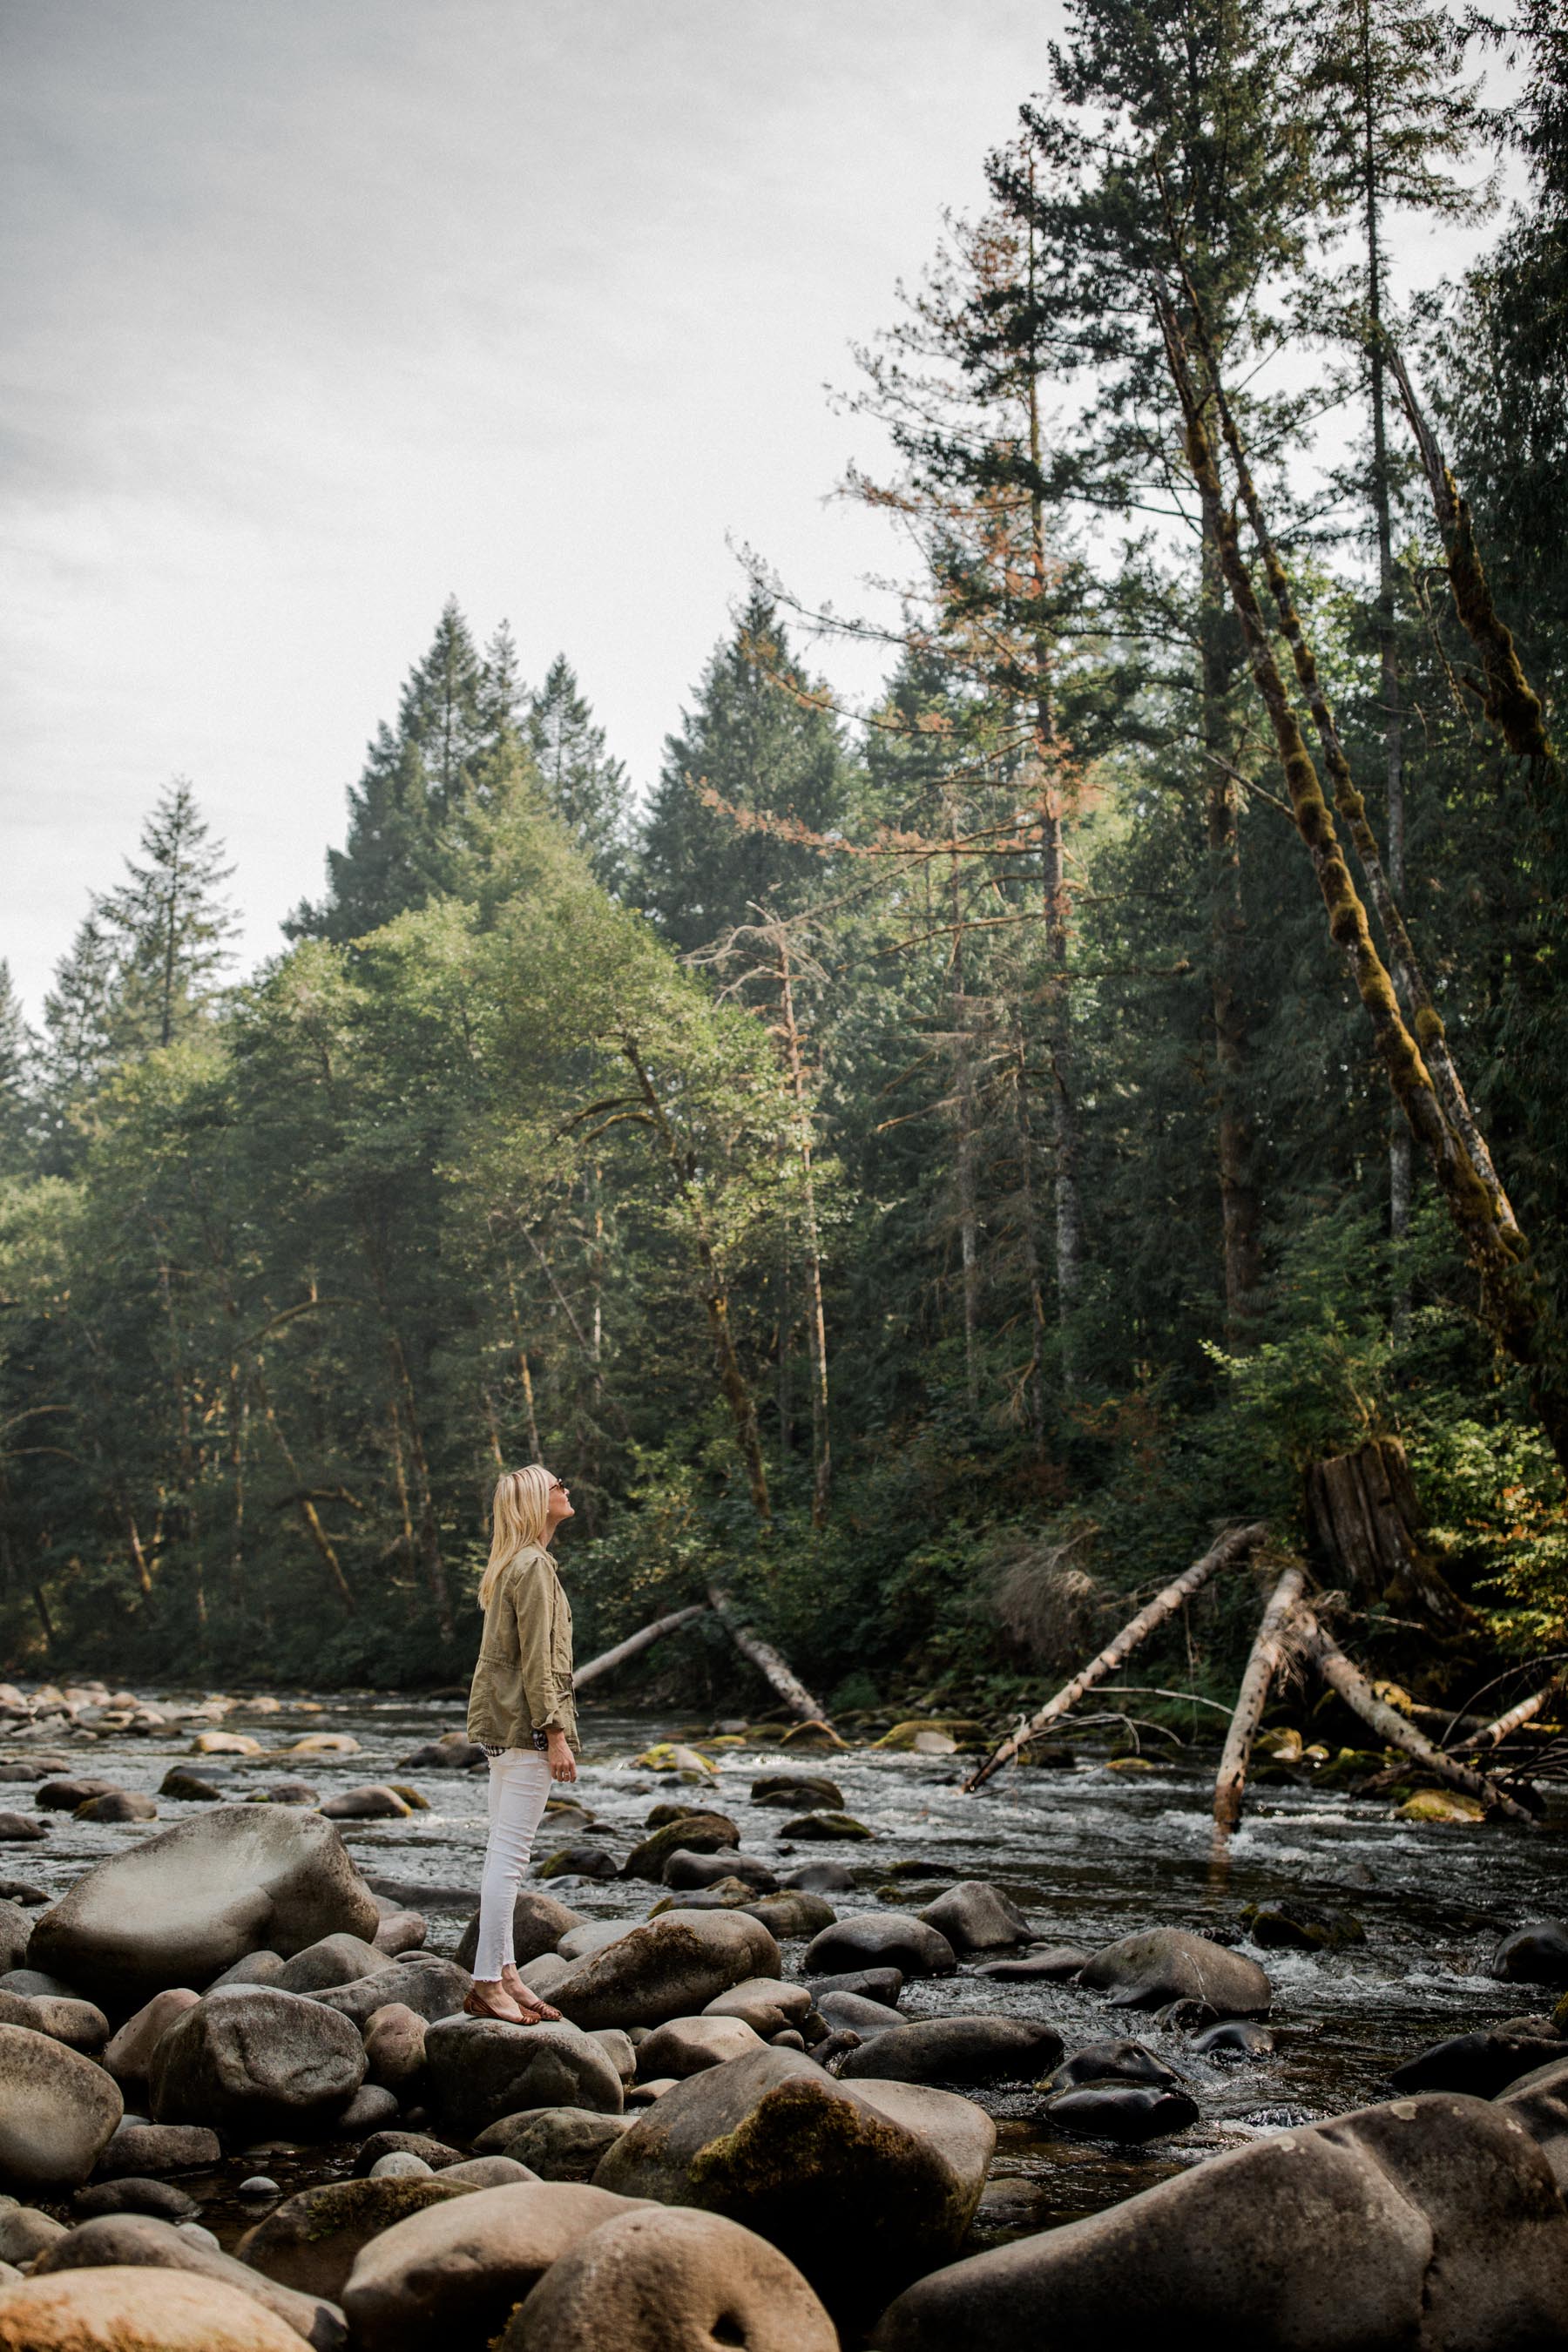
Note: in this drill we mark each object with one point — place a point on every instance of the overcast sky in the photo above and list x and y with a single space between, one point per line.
319 310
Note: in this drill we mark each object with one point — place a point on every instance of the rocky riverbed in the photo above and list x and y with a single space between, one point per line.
985 2092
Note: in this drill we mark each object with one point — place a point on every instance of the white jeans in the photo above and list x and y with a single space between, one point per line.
519 1783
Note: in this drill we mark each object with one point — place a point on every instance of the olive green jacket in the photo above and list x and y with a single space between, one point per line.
522 1682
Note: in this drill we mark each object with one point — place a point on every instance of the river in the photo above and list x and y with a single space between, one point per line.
1090 1854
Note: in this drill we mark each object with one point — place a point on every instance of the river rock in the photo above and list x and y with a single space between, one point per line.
15 1929
860 2184
954 2050
129 2055
819 1878
1292 1926
541 1975
121 2309
556 2143
591 1935
372 1802
670 2282
188 1788
1428 2223
372 2108
287 1792
25 2232
399 1932
312 2242
453 2273
252 2061
618 2048
850 2012
144 2243
882 1985
435 2153
538 1923
432 1988
135 2193
64 1796
683 1869
117 1805
696 1832
976 1917
1164 1964
182 1904
798 1793
685 2045
36 1984
478 2069
764 2004
1484 2063
880 1939
57 2111
141 2150
1111 2062
825 1829
1131 2112
1052 1964
394 2046
579 1862
671 1966
80 2024
792 1915
255 1969
1234 2039
333 1960
20 1829
724 1894
1533 1955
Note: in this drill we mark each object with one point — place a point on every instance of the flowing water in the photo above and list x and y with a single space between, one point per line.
1089 1854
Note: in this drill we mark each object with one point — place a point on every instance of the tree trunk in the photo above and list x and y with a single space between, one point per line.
1364 1515
769 1662
608 1660
963 1164
1035 1374
1392 1728
305 1506
1492 1735
1511 1300
816 1321
523 1372
715 1299
1269 1649
1234 1545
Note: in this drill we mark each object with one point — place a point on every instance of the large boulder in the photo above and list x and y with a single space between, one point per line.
136 2241
453 2273
478 2069
121 2309
871 1939
694 1832
955 2050
1484 2063
252 2061
538 1923
976 1917
685 2045
336 1960
1432 2222
557 2143
670 2282
672 1967
860 2184
1164 1964
181 1906
432 1988
312 2242
57 2111
1533 1955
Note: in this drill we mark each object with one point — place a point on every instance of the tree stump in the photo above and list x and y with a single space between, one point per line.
1367 1523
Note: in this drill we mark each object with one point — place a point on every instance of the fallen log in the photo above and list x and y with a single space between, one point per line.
1492 1735
1393 1728
1270 1648
1235 1544
608 1660
770 1662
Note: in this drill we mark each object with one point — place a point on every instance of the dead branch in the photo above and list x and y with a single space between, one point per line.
608 1660
1269 1648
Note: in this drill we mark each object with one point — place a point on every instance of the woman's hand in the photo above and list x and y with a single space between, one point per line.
559 1756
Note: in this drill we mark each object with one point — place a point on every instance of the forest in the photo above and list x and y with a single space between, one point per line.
926 1164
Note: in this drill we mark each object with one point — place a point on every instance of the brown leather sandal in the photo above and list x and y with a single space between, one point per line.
535 2011
499 2006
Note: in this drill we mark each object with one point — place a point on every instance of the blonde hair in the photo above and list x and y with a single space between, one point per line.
519 1521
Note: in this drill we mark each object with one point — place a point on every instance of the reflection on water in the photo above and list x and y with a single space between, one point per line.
1088 1853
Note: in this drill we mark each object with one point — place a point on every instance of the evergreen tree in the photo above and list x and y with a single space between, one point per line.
169 926
79 1033
18 1047
586 789
760 740
417 780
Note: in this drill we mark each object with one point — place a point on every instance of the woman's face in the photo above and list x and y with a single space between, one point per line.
558 1507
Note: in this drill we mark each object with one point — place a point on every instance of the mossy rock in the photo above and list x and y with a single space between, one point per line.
902 1737
311 2241
822 1829
1441 1805
673 1755
410 1795
1128 1764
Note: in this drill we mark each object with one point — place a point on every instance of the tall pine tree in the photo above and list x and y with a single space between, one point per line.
585 787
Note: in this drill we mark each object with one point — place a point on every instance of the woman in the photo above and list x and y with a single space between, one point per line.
521 1711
